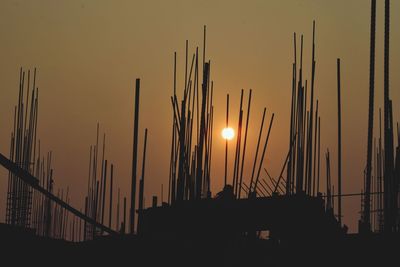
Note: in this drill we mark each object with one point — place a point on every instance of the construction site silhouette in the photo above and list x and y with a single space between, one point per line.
288 220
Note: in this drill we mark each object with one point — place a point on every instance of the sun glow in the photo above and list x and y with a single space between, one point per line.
228 133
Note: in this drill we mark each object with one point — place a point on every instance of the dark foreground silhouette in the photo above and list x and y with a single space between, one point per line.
296 231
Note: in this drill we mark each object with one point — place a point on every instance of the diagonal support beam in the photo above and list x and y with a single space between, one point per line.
34 183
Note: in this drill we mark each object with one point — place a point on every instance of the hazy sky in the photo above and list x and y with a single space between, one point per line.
89 53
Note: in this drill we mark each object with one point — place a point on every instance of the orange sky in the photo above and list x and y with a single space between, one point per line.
89 53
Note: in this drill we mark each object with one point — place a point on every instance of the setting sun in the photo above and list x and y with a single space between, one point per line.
228 133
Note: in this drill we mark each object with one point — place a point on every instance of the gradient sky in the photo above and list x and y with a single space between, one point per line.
89 53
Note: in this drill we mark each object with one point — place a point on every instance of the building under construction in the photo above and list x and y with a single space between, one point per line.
288 220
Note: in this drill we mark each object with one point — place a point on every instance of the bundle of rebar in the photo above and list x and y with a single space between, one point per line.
190 163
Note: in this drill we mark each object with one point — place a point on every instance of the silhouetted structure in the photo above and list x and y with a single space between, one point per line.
280 221
367 201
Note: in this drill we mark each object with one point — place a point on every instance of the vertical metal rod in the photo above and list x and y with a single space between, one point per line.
315 149
96 205
289 169
103 199
265 147
79 239
303 138
124 224
310 129
102 180
367 198
204 45
141 189
85 224
381 198
388 145
111 195
199 171
307 129
237 150
226 141
319 153
171 183
244 144
328 182
295 116
88 204
118 208
186 68
134 158
257 148
339 146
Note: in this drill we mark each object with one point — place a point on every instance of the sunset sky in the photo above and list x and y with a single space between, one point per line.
89 53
